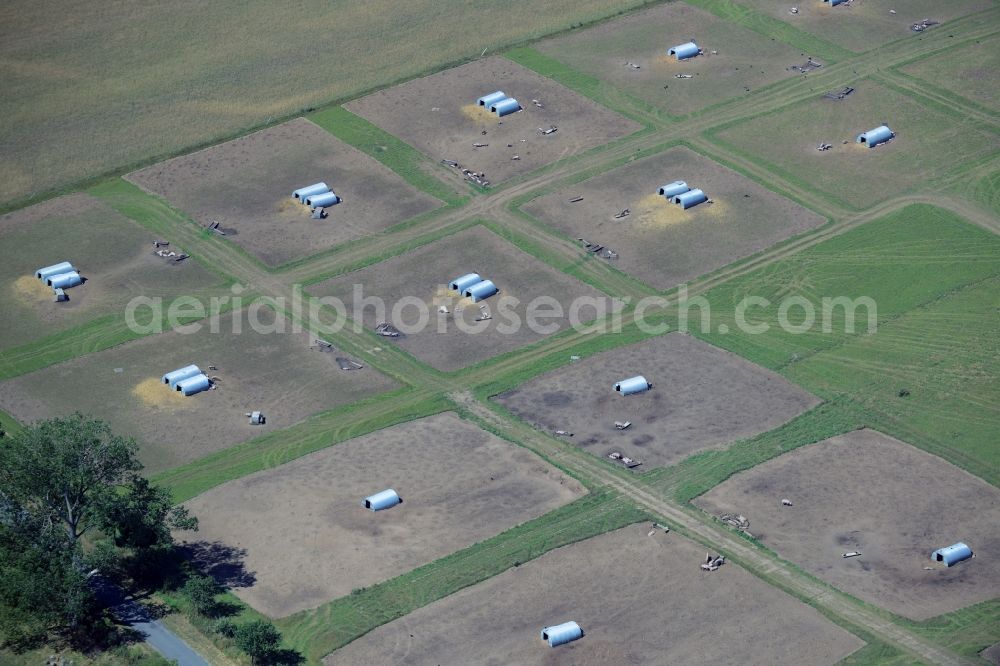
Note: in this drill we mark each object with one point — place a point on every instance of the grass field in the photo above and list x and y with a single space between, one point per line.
863 26
101 87
933 278
929 143
116 88
972 71
745 59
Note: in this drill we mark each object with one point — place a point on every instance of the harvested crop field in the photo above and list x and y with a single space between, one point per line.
639 599
113 254
246 185
419 280
307 539
848 495
928 144
658 242
438 115
275 373
702 397
612 50
862 26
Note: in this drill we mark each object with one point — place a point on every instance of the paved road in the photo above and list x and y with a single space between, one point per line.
139 618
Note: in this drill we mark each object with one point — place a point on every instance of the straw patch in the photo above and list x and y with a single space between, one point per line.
476 113
30 290
154 393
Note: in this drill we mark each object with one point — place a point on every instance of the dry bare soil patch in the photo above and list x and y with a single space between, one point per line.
246 185
702 397
639 599
895 504
658 242
275 373
307 539
744 58
438 115
422 276
113 253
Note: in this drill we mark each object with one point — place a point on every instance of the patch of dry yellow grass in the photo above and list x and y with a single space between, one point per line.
478 114
30 290
154 393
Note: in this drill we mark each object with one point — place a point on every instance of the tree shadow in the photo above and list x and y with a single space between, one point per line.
222 562
285 657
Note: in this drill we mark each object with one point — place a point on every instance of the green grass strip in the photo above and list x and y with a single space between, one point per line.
316 633
280 446
627 105
774 28
701 472
394 153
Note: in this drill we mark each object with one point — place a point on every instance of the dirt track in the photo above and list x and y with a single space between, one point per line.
640 600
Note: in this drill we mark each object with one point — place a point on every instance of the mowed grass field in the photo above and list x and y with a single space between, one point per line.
863 26
94 87
934 278
972 71
928 144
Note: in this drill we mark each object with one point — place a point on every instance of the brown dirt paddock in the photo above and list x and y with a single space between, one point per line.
744 58
639 599
113 253
437 115
424 274
866 491
661 244
277 374
308 539
702 397
246 185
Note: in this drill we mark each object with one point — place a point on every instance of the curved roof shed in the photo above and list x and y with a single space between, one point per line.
562 633
952 554
691 198
834 3
636 384
671 190
481 291
873 137
64 280
491 99
54 269
383 500
193 385
505 107
181 374
460 284
323 200
303 192
684 51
